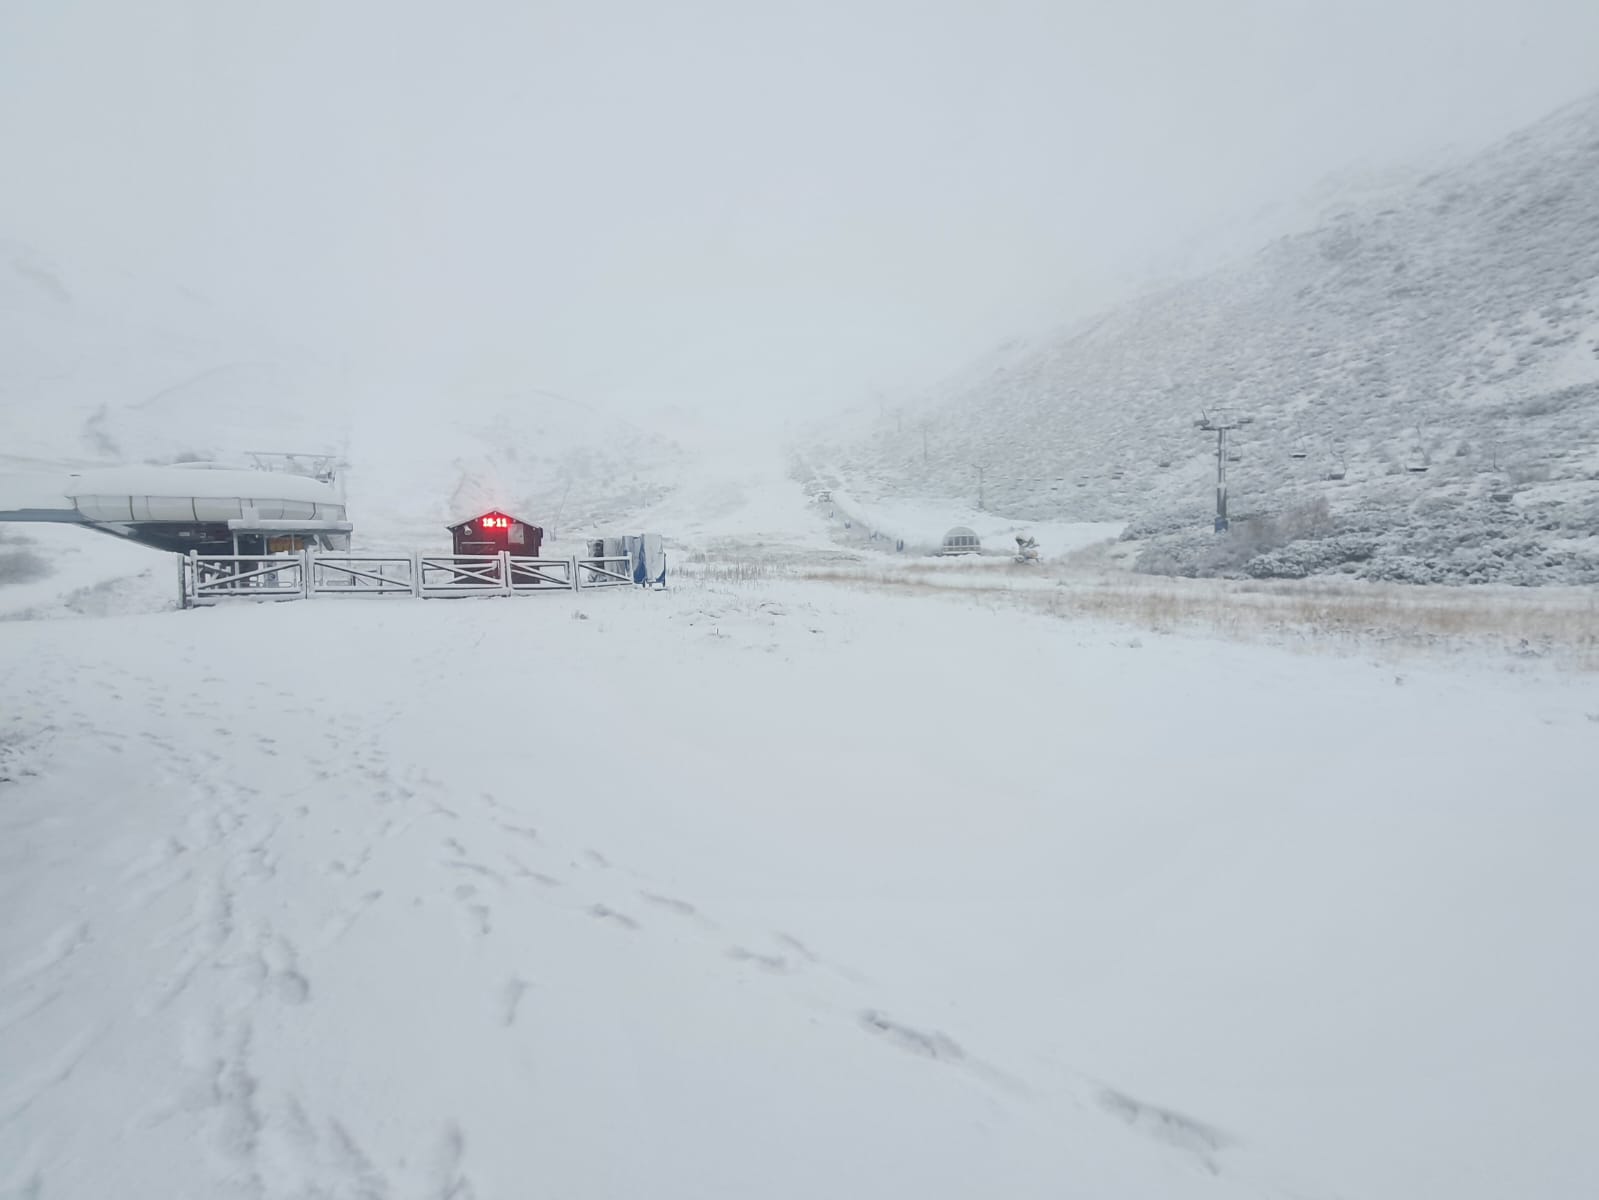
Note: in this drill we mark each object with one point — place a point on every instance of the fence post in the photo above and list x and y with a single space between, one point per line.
576 585
505 572
307 557
416 573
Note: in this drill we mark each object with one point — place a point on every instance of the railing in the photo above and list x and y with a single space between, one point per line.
214 578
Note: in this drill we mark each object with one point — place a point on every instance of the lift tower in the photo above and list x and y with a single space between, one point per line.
1221 422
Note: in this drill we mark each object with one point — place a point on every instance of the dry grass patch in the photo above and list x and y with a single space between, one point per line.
1558 623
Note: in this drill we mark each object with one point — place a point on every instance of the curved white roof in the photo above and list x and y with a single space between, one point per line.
185 494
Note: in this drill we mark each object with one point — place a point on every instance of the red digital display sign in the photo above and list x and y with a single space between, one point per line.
495 522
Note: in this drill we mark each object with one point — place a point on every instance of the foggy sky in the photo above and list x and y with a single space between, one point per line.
744 206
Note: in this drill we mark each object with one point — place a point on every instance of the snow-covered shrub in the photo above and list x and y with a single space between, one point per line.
1166 521
1319 556
1230 555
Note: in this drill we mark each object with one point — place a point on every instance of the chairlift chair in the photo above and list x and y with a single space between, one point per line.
1418 462
1340 465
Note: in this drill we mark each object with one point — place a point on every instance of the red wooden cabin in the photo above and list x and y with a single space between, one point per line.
494 531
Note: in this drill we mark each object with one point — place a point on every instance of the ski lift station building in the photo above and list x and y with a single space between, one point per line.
961 540
199 507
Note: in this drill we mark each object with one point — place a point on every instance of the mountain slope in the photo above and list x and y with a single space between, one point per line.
1456 329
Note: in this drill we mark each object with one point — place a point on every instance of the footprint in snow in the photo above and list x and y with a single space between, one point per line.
931 1044
682 907
511 999
774 963
604 913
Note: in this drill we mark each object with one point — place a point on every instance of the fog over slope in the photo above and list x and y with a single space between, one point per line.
100 368
1455 327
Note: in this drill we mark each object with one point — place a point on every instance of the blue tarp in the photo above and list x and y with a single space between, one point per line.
647 556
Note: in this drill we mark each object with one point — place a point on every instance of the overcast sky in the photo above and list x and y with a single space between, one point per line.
743 204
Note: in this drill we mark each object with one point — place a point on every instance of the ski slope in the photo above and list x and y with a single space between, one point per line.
785 889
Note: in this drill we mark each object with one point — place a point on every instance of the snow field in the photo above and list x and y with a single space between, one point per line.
781 889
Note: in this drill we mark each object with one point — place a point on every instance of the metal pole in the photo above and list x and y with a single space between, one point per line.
1221 480
555 524
1221 423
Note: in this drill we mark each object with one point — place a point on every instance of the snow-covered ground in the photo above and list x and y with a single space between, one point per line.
783 888
81 571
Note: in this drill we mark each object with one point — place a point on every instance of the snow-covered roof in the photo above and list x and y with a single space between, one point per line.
201 483
459 518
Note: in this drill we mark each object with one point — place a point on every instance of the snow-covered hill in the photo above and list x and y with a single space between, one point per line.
1456 327
97 367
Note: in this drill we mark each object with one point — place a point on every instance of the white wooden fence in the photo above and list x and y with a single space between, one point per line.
211 579
365 575
260 576
604 572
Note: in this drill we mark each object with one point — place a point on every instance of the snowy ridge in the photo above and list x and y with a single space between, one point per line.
1456 328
